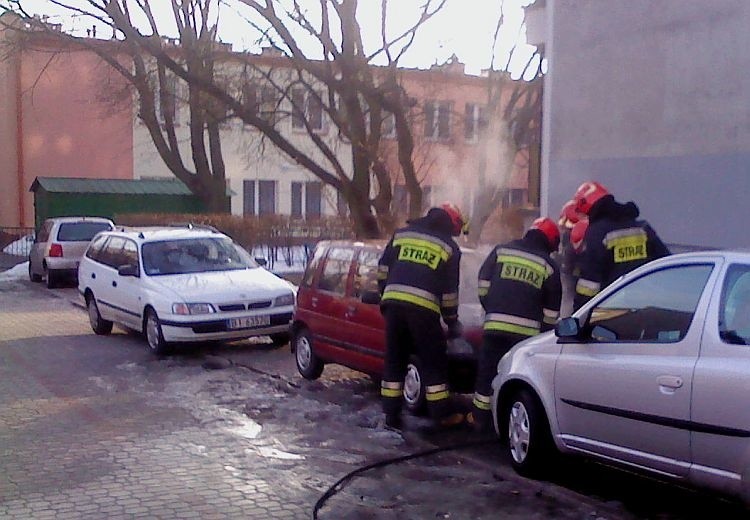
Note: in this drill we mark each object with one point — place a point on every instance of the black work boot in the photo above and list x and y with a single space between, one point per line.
393 421
479 423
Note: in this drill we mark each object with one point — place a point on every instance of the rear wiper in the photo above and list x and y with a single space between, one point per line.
731 336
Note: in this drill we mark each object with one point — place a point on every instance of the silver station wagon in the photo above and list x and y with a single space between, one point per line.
653 374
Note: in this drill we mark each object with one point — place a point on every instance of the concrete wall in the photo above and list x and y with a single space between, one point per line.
652 99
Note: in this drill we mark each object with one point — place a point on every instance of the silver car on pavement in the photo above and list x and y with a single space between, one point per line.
652 374
60 244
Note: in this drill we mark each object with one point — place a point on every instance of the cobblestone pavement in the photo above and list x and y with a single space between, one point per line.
95 427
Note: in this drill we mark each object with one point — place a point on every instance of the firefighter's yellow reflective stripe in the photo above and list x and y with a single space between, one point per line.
509 318
483 291
505 251
416 236
382 272
627 245
622 233
509 327
550 315
587 287
410 298
450 300
482 402
436 392
398 287
484 283
382 276
391 389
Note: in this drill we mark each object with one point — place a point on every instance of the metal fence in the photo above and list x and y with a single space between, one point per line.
16 241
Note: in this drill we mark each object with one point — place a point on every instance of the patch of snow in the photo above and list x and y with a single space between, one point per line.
20 247
273 453
247 428
17 272
102 383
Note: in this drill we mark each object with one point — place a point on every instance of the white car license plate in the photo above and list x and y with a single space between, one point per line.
249 322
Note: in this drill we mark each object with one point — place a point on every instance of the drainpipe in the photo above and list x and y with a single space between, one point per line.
19 143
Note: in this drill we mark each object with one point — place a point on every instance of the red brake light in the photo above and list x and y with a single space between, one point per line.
55 250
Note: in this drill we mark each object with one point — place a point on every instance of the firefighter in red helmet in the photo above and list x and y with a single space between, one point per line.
573 226
520 291
615 243
418 276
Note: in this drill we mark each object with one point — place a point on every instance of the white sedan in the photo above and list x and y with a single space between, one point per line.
181 285
651 374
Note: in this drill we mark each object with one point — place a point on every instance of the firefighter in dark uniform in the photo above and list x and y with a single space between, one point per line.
616 242
418 276
520 291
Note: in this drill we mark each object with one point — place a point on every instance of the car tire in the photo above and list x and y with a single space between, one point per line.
415 399
153 333
280 339
308 364
530 444
99 325
51 278
33 276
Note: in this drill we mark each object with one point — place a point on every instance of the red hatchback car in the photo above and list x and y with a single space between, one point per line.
338 320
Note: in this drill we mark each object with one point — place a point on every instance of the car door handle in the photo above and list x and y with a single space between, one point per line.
114 284
351 310
314 301
669 381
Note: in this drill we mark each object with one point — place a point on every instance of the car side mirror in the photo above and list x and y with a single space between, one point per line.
128 270
371 297
261 261
568 328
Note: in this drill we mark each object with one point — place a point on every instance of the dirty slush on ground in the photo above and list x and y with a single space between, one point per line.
228 430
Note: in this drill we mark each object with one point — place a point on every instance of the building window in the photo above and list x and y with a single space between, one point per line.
341 205
399 202
514 198
261 99
475 121
248 197
437 122
389 126
266 197
313 200
306 106
166 99
297 199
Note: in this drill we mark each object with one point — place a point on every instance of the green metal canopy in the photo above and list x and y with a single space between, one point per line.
67 196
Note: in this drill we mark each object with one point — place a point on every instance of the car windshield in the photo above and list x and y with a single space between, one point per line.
80 231
195 255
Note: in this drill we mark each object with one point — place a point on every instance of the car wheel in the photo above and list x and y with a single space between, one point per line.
414 387
308 364
99 325
51 278
530 442
33 276
154 336
280 339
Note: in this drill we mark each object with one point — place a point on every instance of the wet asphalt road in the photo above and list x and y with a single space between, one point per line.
94 427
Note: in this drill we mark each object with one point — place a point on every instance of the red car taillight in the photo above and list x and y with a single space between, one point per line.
55 250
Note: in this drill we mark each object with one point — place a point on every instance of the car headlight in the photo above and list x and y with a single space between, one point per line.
284 300
192 308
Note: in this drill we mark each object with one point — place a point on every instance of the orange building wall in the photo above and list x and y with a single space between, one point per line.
66 128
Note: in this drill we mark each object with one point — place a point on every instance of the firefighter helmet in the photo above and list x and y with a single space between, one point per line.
569 214
459 223
548 227
577 234
587 194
